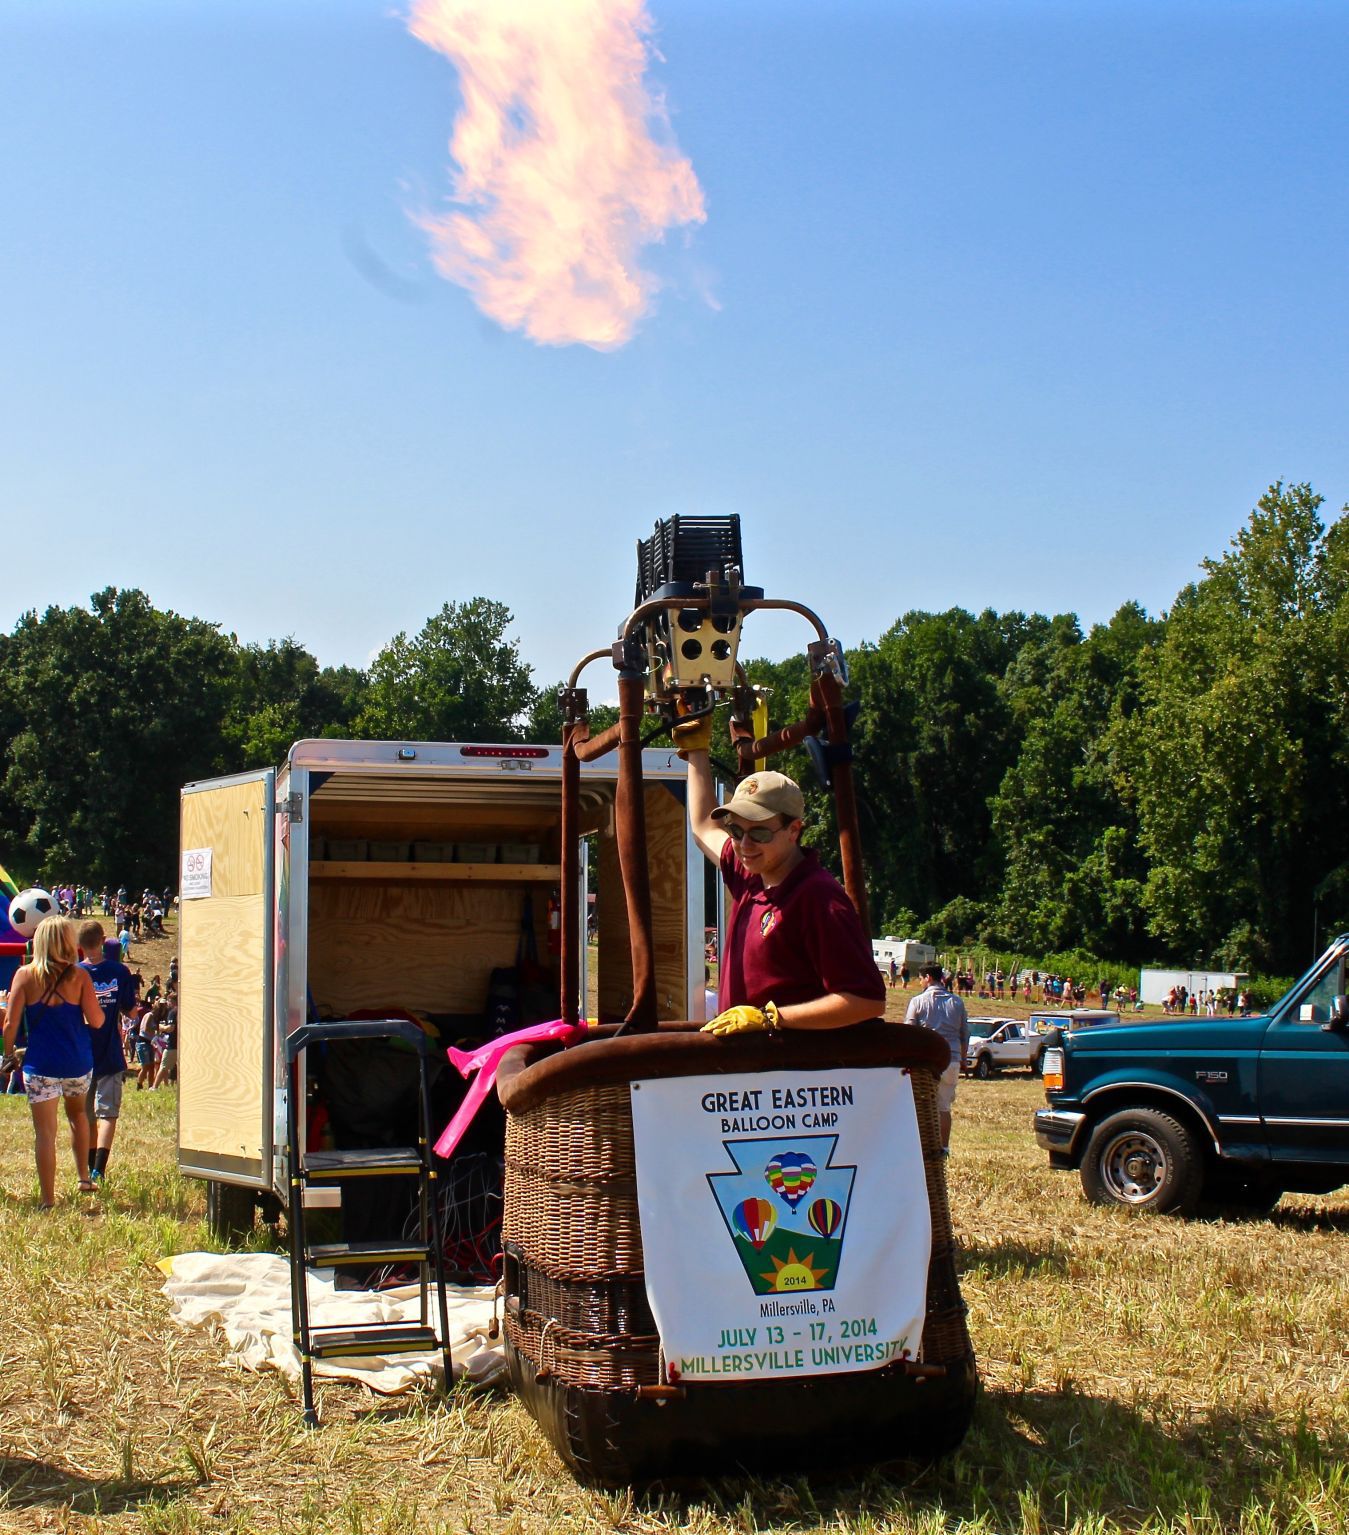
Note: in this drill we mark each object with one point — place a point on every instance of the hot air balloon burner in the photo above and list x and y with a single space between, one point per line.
692 603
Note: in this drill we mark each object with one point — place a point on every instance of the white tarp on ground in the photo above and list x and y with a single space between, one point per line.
247 1295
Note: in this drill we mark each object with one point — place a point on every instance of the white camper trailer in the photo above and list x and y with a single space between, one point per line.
391 876
904 951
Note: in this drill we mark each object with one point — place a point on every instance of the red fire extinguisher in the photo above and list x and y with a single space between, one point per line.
554 923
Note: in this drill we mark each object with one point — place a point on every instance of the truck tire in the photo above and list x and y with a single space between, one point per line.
1037 1066
230 1211
983 1067
1143 1159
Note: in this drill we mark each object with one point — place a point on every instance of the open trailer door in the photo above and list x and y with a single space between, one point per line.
225 966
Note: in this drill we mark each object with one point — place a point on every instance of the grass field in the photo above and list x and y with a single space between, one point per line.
1138 1374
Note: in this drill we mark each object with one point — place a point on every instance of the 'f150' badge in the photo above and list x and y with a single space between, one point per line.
1210 1076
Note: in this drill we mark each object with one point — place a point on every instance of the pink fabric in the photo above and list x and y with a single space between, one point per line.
485 1062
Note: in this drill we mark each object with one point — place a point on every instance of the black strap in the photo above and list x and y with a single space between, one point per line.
56 985
527 949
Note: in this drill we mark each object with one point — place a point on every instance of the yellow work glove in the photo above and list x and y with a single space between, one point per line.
694 735
744 1020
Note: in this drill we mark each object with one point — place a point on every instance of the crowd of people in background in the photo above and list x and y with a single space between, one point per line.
1024 985
1044 987
150 1030
139 915
1035 986
146 1016
1212 1002
76 1020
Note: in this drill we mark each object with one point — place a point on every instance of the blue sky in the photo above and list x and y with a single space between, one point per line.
995 304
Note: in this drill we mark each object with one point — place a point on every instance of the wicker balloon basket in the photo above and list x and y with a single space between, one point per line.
582 1343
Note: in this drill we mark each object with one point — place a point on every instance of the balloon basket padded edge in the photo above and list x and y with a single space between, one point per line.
581 1342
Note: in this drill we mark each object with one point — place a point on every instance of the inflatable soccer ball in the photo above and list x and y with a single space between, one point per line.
28 908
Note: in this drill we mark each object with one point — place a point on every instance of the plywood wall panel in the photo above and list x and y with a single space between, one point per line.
228 820
615 957
429 948
222 1031
666 828
665 835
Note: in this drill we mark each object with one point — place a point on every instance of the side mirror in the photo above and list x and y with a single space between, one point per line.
1339 1017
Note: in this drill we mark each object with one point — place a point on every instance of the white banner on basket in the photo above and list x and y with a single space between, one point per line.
195 874
785 1221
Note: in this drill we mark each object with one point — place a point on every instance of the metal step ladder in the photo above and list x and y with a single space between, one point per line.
317 1168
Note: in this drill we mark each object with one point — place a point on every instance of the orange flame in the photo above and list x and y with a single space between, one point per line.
565 162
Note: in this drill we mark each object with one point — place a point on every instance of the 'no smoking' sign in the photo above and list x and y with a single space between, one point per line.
195 879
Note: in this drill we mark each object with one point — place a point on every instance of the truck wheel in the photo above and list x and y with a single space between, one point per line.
1037 1066
230 1211
1145 1160
983 1068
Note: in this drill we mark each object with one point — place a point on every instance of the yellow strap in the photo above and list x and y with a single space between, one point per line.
760 729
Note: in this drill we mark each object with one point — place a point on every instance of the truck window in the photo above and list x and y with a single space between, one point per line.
1322 993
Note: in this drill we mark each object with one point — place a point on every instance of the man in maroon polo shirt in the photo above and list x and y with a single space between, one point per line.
795 955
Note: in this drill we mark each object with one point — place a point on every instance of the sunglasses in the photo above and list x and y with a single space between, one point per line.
754 833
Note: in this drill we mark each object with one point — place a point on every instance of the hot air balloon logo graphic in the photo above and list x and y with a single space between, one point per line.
791 1176
825 1217
793 1241
754 1220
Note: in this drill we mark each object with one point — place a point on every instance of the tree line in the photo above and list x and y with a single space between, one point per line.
1155 788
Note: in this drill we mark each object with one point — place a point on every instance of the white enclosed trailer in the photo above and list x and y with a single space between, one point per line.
1154 986
379 875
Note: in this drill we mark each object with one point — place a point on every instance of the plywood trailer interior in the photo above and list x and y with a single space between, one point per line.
666 833
426 936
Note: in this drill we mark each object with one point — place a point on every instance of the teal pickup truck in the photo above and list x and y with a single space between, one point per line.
1229 1113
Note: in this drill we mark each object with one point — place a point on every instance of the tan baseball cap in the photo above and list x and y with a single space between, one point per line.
762 796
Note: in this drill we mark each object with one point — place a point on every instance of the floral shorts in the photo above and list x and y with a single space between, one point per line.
44 1089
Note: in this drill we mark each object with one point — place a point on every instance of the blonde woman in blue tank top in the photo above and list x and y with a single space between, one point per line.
62 1008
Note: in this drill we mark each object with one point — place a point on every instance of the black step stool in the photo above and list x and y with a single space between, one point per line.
426 1250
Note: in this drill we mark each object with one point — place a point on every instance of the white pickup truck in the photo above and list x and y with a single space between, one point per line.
999 1043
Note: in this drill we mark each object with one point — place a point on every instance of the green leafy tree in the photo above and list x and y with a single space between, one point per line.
900 923
337 698
283 697
459 679
543 724
960 921
13 822
1234 763
933 739
1072 867
115 707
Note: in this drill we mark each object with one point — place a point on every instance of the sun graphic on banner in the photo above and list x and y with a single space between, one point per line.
793 1273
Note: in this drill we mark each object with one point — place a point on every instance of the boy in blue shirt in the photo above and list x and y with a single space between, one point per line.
116 992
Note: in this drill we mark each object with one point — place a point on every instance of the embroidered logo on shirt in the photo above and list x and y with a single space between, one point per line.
768 922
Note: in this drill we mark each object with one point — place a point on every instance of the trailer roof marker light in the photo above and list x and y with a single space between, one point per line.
533 752
407 753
